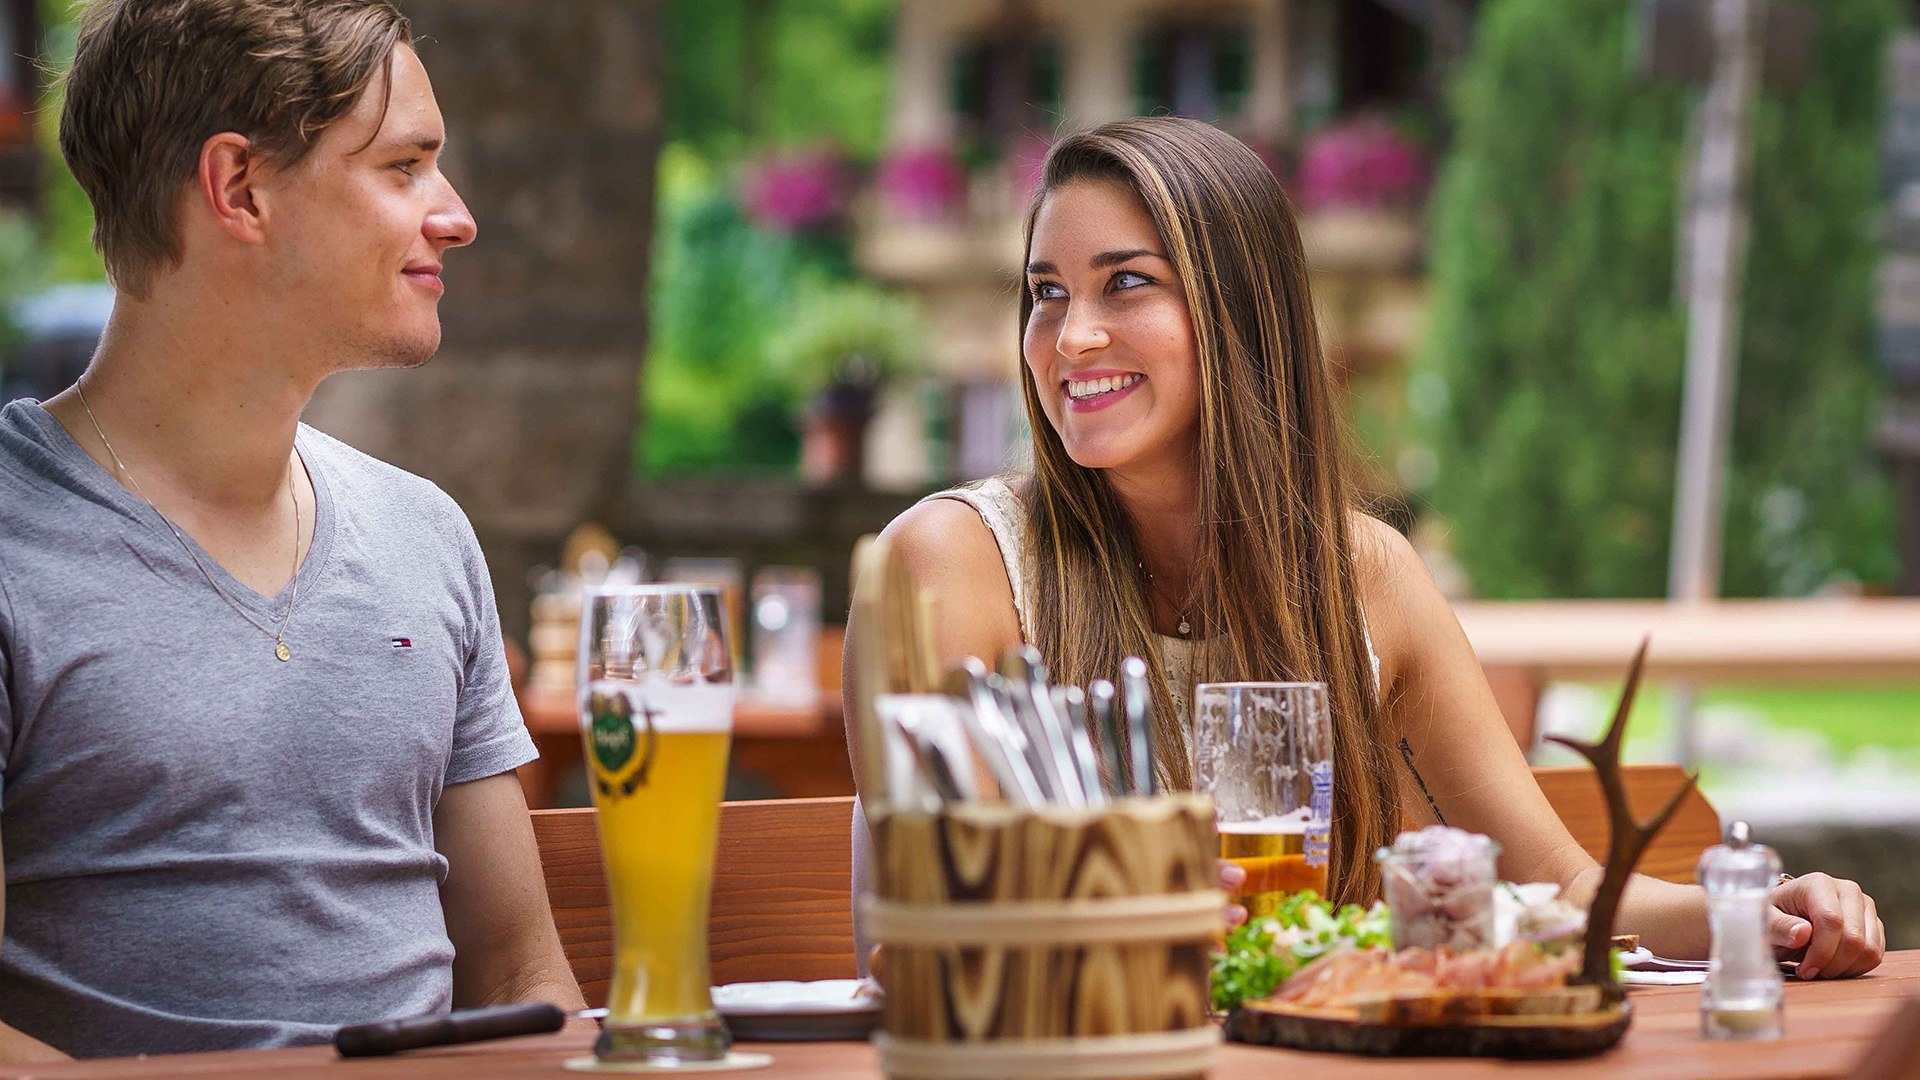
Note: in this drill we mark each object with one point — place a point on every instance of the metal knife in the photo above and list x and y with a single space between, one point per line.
1138 696
1024 730
1052 728
1001 749
1071 703
1106 720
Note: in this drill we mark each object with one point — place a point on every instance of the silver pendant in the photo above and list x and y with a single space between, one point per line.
1183 628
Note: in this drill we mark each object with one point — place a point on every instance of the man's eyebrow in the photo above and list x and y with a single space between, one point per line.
423 141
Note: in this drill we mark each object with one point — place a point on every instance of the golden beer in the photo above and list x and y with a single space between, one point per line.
1274 855
1264 751
656 738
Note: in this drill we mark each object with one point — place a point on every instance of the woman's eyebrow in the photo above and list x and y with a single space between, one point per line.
1104 259
1115 258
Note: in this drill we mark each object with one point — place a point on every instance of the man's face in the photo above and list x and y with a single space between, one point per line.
358 228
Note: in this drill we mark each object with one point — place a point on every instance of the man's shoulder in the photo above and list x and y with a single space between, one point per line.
379 486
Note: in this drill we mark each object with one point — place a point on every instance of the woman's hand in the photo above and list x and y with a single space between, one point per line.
1829 925
1232 876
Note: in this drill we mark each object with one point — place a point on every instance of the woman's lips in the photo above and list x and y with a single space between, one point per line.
1101 401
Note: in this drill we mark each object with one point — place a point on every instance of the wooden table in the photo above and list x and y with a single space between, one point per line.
1525 644
1829 1026
799 747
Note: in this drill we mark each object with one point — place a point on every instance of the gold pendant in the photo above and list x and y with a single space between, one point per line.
280 650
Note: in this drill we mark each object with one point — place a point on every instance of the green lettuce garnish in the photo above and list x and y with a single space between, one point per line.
1266 951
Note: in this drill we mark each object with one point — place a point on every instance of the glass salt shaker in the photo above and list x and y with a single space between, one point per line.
1741 998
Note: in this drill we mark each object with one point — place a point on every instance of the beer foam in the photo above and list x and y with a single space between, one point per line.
675 710
1296 823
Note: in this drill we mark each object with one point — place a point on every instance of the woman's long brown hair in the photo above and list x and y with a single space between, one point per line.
1274 586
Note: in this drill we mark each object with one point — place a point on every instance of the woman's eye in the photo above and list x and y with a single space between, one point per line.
1130 279
1047 290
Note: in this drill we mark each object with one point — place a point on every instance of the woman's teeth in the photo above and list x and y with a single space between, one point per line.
1090 387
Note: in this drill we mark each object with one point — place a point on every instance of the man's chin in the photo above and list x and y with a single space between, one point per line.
403 352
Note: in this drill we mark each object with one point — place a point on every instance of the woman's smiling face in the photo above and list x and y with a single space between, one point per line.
1109 342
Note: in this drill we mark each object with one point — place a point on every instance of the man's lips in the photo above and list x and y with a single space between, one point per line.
427 277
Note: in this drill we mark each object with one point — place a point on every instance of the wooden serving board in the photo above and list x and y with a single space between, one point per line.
1339 1031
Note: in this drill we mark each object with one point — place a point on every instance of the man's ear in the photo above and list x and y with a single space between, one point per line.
229 174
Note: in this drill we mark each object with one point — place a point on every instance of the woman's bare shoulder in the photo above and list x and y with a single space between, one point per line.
1397 595
948 548
940 536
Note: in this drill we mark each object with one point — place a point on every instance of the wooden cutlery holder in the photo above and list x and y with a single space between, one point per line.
1047 943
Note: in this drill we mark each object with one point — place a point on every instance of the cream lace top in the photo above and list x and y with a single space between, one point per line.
1000 508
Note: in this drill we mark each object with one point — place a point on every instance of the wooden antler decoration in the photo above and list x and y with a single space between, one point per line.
1627 838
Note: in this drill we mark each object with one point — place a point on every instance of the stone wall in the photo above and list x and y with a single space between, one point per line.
1884 859
527 416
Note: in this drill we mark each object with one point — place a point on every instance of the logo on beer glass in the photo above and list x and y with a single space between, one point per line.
615 742
1320 821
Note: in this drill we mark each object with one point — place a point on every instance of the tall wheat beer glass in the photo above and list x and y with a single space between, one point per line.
1264 751
656 713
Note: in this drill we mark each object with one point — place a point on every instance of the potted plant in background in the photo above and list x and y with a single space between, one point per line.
845 342
1359 186
923 183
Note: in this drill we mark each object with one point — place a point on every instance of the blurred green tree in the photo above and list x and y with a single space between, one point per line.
746 73
746 77
1549 384
719 289
21 272
66 215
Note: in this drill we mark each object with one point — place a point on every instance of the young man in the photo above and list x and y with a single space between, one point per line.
256 732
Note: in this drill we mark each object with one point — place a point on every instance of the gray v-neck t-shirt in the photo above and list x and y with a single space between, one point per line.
204 847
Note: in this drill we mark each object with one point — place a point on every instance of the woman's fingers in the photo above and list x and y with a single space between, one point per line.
1232 875
1853 938
1813 898
1875 948
1788 933
1842 922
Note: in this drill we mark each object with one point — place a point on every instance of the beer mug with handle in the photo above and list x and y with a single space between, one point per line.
1264 751
656 713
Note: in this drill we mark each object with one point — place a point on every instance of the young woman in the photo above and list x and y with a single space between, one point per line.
1186 504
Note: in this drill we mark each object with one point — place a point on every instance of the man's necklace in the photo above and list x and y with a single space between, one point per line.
279 635
1185 629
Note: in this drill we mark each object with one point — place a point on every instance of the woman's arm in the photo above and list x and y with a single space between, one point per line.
946 548
1437 698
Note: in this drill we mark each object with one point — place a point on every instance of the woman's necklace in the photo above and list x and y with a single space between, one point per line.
1185 628
279 636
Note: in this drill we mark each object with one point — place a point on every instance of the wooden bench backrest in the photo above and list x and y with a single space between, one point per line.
781 890
1575 794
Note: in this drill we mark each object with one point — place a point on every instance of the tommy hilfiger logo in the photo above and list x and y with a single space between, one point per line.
403 643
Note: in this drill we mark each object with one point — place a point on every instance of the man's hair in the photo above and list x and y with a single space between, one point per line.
153 80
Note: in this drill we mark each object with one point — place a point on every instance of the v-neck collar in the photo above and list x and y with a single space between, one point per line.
83 470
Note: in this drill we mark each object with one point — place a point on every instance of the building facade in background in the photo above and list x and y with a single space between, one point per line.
984 86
